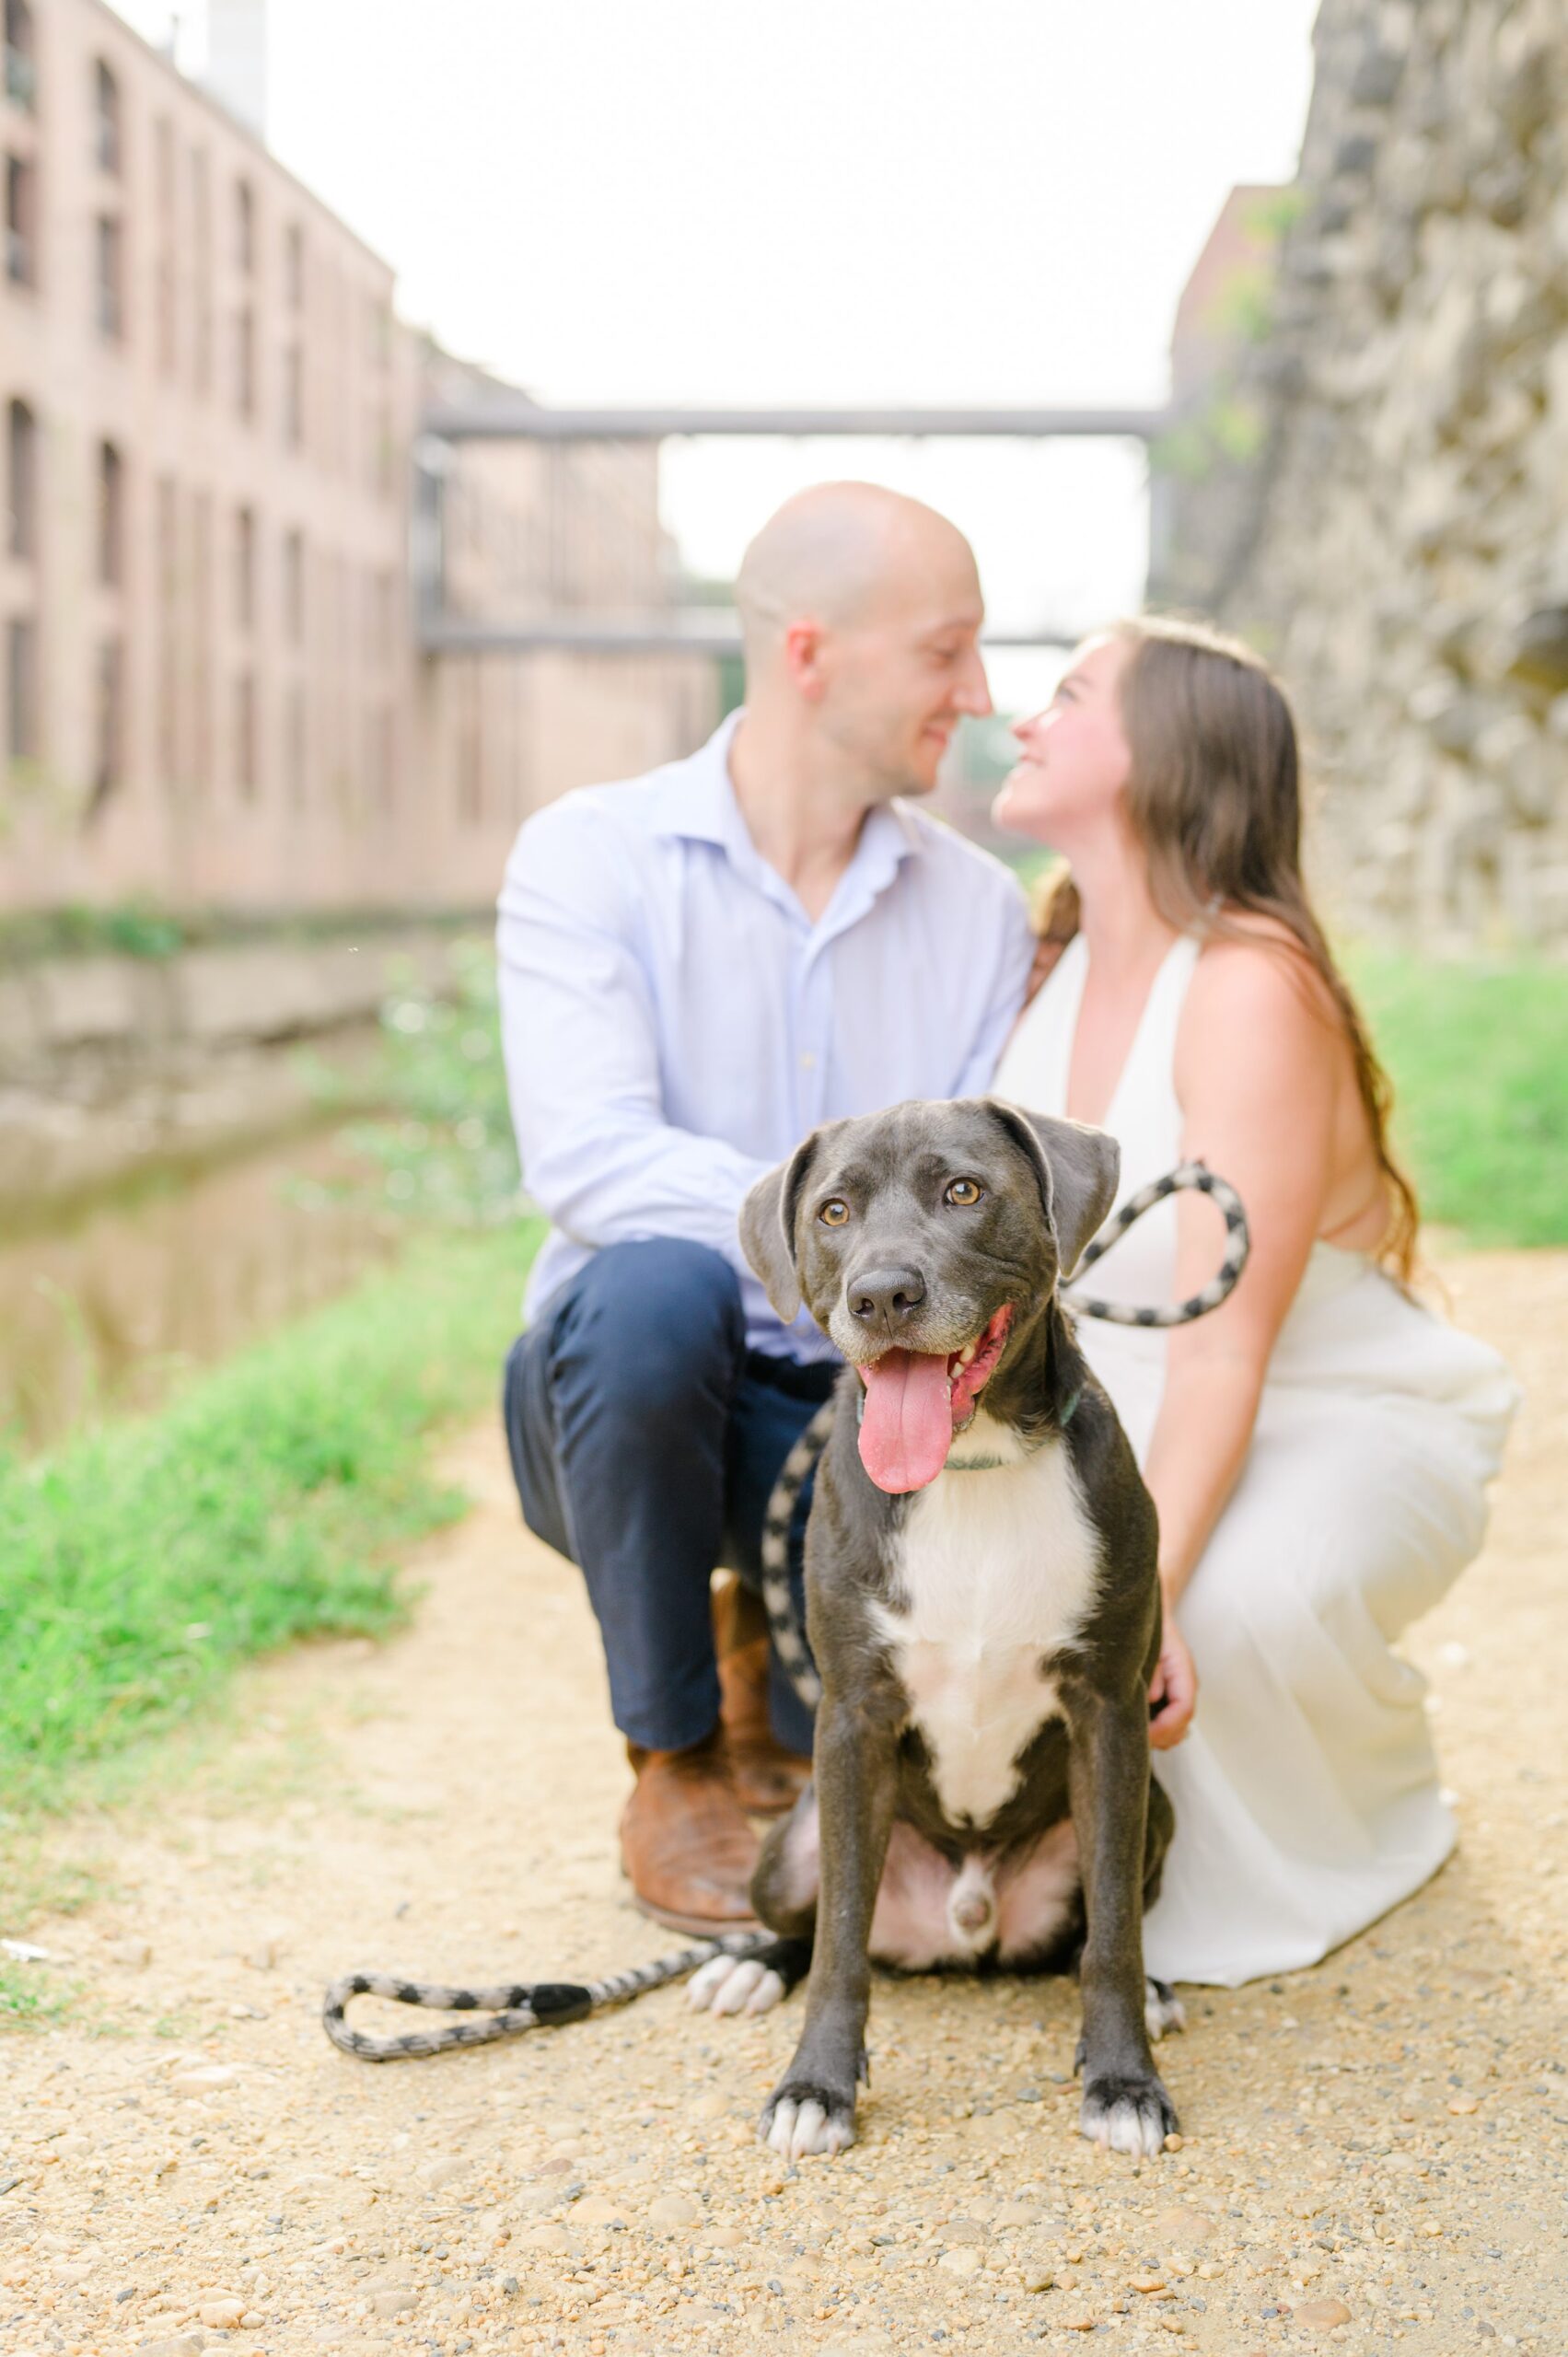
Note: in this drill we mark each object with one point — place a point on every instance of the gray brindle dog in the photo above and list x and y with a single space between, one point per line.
982 1605
991 1640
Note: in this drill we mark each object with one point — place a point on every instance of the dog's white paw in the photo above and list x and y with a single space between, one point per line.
728 1985
1163 2009
1132 2116
794 2126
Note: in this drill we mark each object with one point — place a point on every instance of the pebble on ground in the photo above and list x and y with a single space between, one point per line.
1372 2154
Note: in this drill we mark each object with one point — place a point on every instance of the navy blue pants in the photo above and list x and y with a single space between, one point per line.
645 1439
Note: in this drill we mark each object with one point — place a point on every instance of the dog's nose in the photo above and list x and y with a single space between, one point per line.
885 1296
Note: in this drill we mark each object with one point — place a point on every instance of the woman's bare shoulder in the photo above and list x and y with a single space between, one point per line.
1258 970
1258 1013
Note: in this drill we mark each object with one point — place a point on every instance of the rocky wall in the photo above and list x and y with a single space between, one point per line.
1397 537
114 1066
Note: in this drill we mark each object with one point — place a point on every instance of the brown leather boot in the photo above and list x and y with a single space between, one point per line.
685 1841
768 1778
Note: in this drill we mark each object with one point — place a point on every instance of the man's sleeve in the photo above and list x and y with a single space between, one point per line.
578 1029
1012 955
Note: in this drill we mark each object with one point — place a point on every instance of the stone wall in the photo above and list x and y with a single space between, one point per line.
1375 488
114 1066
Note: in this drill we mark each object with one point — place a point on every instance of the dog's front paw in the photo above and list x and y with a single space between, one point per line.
730 1985
802 2118
1129 2112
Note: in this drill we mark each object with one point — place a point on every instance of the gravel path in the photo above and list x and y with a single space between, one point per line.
1375 2149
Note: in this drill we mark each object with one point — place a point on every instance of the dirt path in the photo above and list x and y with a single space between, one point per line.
187 2163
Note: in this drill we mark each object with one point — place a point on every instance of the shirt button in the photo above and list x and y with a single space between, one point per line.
808 1060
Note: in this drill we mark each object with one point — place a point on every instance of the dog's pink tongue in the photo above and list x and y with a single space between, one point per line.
906 1429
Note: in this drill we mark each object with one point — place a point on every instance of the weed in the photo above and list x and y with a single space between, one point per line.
28 2000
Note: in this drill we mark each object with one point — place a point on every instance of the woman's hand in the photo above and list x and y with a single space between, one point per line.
1173 1689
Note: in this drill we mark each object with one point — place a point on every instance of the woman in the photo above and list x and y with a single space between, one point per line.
1318 1449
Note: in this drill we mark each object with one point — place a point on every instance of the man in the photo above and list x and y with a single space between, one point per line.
697 968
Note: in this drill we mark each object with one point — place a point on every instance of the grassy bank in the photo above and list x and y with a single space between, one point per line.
268 1501
1478 1058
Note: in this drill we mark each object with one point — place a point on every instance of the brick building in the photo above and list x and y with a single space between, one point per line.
210 689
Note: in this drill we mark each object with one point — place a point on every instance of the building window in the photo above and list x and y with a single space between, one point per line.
110 516
295 748
381 757
471 746
169 629
163 151
245 568
245 735
22 482
109 725
244 228
21 222
245 361
22 72
200 669
385 613
201 272
294 396
21 688
109 279
294 588
106 119
294 266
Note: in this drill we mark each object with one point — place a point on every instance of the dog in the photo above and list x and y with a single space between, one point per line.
982 1604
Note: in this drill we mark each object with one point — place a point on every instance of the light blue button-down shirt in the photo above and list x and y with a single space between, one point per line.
674 1023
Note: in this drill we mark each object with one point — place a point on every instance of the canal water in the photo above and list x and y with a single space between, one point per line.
106 1314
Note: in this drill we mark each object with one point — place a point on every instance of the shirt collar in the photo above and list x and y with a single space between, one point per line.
696 798
697 801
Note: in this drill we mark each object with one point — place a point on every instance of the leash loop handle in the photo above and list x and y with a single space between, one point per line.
1194 1178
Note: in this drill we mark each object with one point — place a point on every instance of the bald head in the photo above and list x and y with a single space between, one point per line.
833 555
862 615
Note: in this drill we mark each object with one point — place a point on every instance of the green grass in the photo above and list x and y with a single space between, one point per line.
1478 1057
266 1503
28 2000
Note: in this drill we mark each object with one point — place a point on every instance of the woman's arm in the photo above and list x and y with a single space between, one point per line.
1257 1072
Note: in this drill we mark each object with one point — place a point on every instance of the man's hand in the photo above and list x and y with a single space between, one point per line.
1173 1689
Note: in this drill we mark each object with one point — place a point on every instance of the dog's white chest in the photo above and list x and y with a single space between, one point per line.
996 1571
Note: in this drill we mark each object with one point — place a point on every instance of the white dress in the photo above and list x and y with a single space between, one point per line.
1306 1793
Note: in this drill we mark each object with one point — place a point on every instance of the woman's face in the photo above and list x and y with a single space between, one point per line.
1074 765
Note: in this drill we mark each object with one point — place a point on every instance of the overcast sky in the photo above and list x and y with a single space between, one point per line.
834 201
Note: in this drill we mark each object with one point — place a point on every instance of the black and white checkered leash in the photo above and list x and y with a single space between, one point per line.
546 2005
537 2005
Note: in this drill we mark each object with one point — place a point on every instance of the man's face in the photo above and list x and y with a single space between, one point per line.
898 678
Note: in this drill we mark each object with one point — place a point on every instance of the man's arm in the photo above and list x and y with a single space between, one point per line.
1012 947
578 1029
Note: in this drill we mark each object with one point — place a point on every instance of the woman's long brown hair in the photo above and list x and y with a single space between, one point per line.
1214 797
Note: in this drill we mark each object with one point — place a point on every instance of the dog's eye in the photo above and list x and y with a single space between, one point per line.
964 1194
834 1213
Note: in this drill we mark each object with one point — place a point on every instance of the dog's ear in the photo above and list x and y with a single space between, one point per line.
767 1229
1077 1169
